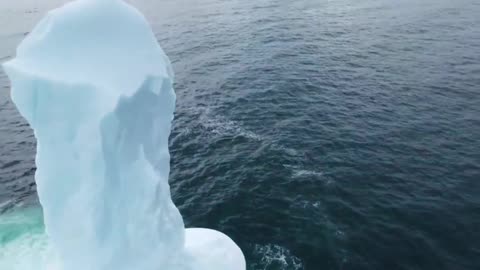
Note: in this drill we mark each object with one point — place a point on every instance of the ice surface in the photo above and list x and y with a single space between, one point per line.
97 89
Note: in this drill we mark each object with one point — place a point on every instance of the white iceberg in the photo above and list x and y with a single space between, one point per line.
96 88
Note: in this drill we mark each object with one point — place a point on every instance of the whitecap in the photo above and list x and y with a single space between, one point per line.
273 256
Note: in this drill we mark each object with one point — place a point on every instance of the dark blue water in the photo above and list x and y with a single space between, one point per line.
318 134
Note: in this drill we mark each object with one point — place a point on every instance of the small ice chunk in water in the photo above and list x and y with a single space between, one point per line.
96 88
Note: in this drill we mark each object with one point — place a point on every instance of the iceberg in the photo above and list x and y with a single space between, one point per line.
96 88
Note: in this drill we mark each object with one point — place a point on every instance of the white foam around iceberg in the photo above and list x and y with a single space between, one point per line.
96 88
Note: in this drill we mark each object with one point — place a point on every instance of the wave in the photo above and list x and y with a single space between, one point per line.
275 257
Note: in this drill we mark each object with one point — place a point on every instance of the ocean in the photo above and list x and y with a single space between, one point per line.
318 134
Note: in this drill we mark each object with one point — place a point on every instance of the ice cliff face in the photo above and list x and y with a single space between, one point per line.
96 88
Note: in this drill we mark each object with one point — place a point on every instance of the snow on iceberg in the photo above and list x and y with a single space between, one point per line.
96 88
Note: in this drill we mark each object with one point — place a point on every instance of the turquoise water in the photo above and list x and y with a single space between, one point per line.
317 134
23 243
15 225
